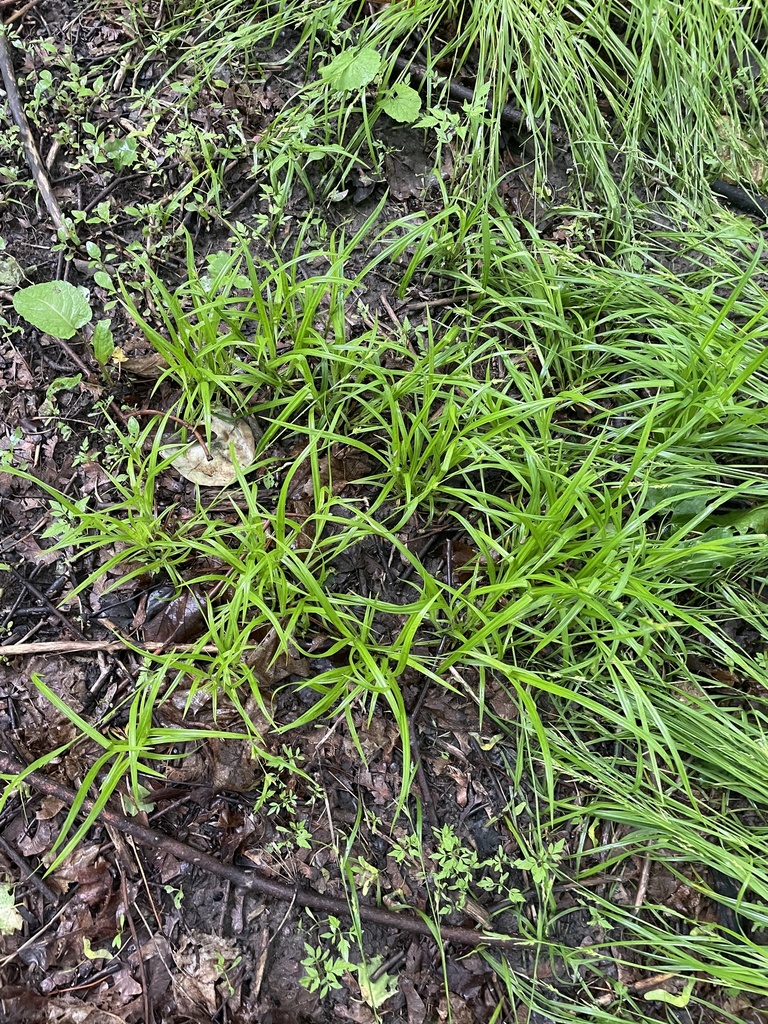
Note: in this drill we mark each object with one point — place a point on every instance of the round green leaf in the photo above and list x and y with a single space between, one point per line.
351 70
122 152
402 103
55 307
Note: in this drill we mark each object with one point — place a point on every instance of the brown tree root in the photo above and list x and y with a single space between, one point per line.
254 882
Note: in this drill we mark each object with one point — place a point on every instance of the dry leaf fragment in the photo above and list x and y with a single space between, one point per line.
179 620
269 667
202 960
49 808
151 365
232 444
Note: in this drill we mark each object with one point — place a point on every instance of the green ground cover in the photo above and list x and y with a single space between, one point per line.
583 414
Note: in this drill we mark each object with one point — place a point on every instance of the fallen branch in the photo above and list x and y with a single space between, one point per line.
18 15
251 880
30 149
75 646
508 115
739 197
757 205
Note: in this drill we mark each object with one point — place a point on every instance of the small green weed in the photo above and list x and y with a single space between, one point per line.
328 961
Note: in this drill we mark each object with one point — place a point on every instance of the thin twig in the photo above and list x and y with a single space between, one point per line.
29 873
176 419
251 880
642 886
448 300
243 198
71 354
89 376
40 596
149 1016
21 12
33 939
109 972
120 179
421 777
30 148
76 646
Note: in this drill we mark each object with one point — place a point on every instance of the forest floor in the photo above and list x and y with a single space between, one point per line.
384 509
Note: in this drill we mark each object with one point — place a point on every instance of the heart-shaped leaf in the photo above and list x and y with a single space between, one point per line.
351 70
402 103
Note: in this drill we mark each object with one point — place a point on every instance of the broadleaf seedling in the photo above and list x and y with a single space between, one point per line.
352 69
56 307
103 342
402 103
60 309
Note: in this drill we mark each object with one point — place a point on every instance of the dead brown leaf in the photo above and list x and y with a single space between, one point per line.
49 808
31 551
233 765
151 365
269 667
417 1011
69 1010
179 620
201 959
35 841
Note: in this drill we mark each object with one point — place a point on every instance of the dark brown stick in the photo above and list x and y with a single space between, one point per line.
52 609
20 119
29 873
90 377
741 198
252 881
149 1016
509 115
737 196
175 419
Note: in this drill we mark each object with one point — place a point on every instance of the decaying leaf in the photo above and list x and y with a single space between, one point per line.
151 365
269 666
234 766
375 991
232 444
11 274
203 960
179 620
10 919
